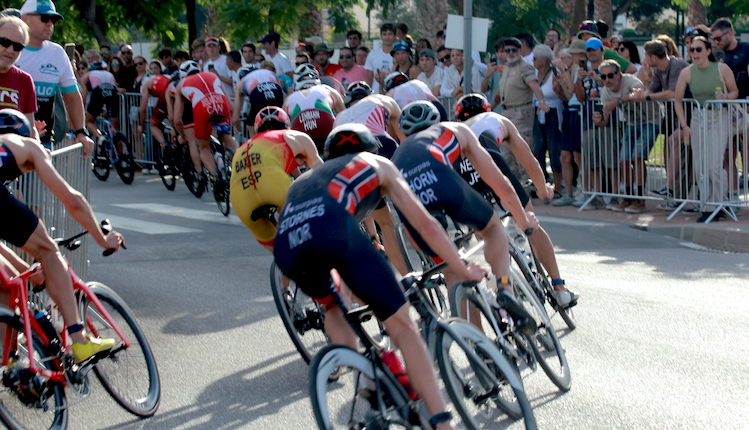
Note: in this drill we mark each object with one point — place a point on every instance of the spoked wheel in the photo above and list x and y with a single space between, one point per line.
223 200
191 178
301 316
125 163
475 397
129 374
100 162
347 403
167 171
20 409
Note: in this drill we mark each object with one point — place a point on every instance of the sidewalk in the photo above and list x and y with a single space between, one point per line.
726 234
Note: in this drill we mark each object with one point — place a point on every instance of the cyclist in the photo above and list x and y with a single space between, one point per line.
102 87
492 130
20 227
429 160
261 168
404 91
312 106
210 108
319 231
262 89
156 87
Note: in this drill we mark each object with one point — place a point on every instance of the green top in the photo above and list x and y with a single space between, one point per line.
610 54
704 82
493 87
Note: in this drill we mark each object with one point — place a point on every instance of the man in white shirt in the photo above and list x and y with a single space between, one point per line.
216 64
526 50
431 75
379 61
233 63
452 83
269 43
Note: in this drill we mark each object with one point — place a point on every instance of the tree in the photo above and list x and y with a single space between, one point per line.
604 11
697 13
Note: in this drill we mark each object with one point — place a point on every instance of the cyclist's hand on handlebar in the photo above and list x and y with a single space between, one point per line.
475 272
113 241
532 221
37 278
546 192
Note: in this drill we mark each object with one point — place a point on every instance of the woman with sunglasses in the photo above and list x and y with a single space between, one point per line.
141 66
115 67
708 80
629 51
14 35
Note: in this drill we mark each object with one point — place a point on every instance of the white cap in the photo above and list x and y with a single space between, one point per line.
42 7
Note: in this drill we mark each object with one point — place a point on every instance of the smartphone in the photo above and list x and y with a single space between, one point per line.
554 71
584 65
598 107
210 66
493 60
70 50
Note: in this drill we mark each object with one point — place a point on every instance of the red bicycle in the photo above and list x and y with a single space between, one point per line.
32 394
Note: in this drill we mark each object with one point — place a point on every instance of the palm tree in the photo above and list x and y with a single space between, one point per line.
697 13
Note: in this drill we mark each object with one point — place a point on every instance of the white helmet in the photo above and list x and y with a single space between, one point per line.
305 82
188 68
304 70
246 70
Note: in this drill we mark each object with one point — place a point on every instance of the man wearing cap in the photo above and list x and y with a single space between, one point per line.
18 87
349 71
322 55
431 74
401 54
588 31
269 43
216 64
50 68
517 85
379 61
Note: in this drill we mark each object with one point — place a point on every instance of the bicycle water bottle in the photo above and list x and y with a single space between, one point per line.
394 363
45 321
522 243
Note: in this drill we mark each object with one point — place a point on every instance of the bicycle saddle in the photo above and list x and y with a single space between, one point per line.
264 212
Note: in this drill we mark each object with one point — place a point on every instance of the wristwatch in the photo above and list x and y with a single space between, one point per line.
620 101
82 130
647 97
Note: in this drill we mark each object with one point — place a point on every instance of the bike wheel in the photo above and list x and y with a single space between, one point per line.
14 413
100 163
125 163
545 343
347 402
223 199
167 172
130 374
475 397
187 170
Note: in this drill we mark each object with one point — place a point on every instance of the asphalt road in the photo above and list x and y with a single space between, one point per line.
661 340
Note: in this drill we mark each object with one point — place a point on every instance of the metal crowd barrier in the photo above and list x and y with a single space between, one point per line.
75 169
710 175
449 104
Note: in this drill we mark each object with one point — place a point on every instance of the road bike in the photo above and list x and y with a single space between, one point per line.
112 149
38 370
177 163
223 157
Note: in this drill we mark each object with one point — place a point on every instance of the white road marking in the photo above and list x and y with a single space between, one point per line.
572 222
147 227
182 212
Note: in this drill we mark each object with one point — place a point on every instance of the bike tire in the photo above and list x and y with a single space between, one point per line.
187 170
100 162
456 368
135 365
167 172
13 412
302 318
125 164
338 405
224 200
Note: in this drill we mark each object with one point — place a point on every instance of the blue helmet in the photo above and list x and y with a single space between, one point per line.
13 121
98 65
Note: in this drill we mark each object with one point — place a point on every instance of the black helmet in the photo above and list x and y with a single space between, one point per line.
417 116
98 65
13 121
471 105
356 91
246 70
394 79
349 139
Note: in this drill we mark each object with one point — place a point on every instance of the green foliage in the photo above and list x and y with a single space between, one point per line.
518 16
403 11
342 18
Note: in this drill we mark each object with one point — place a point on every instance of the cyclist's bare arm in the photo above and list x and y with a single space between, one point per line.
395 187
143 105
14 263
238 100
394 111
525 157
32 123
303 147
339 105
178 107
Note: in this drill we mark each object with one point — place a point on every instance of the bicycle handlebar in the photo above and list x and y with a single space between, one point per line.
72 242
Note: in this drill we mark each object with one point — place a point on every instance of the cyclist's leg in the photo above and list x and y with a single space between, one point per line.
206 155
229 141
385 219
194 149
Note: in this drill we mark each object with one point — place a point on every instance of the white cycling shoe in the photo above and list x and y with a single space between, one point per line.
566 298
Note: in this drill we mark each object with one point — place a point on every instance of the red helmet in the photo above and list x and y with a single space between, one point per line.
265 119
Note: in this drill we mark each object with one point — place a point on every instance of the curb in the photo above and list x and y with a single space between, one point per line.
727 239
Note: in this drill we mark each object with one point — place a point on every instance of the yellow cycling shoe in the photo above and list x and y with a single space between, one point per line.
94 346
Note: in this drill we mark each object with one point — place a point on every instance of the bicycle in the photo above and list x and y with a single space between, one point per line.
112 149
176 165
223 167
477 377
34 386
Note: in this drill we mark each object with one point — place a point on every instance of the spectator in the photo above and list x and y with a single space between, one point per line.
402 60
614 42
81 67
141 67
301 48
223 45
547 123
156 68
452 82
302 58
353 38
127 74
115 67
248 53
170 67
490 84
440 37
216 64
361 56
517 85
41 55
18 87
431 75
703 77
527 43
699 30
199 53
11 12
603 32
552 39
588 30
259 58
379 61
106 53
422 44
349 71
401 31
443 55
180 57
671 48
322 57
735 53
269 43
92 56
233 63
628 50
268 65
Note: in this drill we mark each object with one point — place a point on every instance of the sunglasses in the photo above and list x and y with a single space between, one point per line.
115 63
621 49
127 53
104 52
47 18
347 56
81 68
696 49
511 50
609 76
142 63
719 38
5 42
445 58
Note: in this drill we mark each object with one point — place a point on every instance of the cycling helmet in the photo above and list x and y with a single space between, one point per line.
305 82
356 91
471 105
349 139
13 121
189 68
333 83
394 79
417 116
305 69
246 70
98 65
271 118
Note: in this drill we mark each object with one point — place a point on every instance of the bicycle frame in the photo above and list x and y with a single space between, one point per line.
19 304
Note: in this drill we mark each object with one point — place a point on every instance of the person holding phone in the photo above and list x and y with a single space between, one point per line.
216 64
379 61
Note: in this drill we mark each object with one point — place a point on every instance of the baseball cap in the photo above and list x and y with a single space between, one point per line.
588 27
270 37
593 43
323 47
42 7
577 47
211 41
399 46
426 52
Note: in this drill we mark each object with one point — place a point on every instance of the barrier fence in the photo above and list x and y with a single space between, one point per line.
642 154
